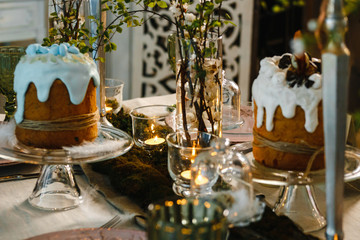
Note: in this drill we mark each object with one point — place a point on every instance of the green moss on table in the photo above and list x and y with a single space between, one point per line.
141 175
145 179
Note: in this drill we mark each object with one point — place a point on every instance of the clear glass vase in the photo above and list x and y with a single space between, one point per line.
198 64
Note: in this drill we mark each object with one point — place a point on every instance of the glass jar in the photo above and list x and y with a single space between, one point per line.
198 67
231 117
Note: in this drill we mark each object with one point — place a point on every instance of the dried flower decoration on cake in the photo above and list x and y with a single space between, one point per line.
301 66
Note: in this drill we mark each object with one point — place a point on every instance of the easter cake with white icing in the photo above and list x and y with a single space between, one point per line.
287 101
56 97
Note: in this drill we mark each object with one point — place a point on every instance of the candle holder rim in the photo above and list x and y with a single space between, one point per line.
189 147
219 206
212 36
21 48
122 83
133 111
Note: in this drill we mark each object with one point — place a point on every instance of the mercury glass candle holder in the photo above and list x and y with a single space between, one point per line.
150 125
190 219
183 148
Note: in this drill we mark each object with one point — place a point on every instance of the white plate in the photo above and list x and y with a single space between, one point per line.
93 233
4 162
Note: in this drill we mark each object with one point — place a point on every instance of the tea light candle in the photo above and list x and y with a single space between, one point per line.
201 180
108 109
154 141
186 174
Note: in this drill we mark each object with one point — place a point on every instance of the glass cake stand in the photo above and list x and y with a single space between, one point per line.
297 197
56 187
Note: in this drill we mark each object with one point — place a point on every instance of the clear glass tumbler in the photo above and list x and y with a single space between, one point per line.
183 148
113 95
150 125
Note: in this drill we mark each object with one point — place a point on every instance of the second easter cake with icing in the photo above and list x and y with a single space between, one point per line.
287 101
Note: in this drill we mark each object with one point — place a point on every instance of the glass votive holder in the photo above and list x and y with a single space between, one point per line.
238 195
149 125
9 58
183 148
204 174
190 219
113 95
231 117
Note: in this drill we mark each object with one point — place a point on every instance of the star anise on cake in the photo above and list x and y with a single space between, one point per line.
300 68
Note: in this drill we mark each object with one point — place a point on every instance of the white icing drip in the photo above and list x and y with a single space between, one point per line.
74 69
270 90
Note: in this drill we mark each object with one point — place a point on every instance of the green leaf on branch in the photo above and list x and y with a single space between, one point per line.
119 29
107 48
106 34
162 4
113 46
207 52
100 59
152 4
229 22
215 24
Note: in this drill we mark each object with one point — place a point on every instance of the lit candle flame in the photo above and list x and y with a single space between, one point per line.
152 127
193 153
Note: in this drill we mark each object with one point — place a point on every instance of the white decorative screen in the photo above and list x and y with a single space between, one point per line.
151 74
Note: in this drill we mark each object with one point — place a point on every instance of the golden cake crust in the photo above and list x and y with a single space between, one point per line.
291 131
57 106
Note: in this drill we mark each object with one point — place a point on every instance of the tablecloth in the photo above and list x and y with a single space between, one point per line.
18 220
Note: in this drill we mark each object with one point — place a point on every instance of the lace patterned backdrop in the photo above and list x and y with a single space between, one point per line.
149 48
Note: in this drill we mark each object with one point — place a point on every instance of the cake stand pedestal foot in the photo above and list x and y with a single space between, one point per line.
298 203
56 189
